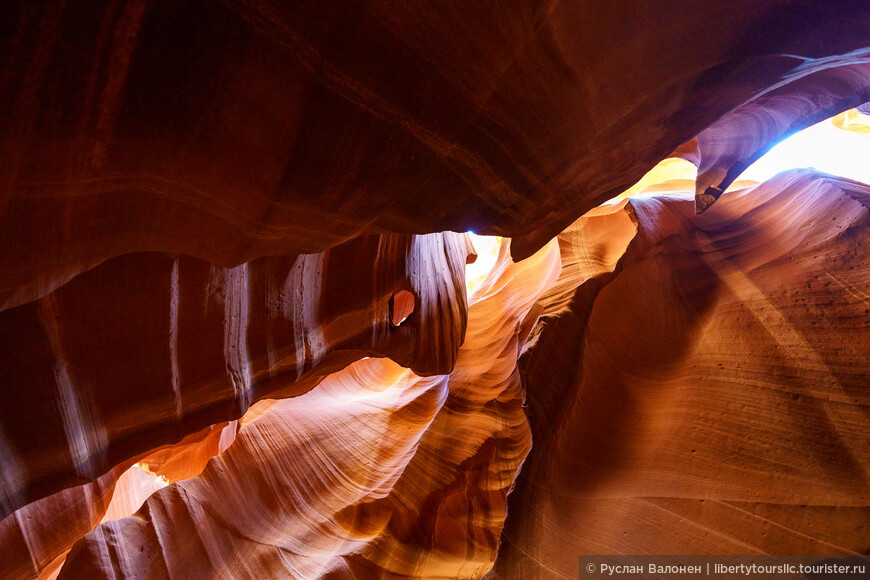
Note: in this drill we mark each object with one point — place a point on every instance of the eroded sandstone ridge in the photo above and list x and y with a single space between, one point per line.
230 131
376 472
148 347
231 287
710 393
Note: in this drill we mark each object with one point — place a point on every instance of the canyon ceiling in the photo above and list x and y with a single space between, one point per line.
235 335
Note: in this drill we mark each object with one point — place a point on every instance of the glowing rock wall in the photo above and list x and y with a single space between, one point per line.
228 264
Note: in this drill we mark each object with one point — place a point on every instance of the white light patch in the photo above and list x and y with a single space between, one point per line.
822 146
487 252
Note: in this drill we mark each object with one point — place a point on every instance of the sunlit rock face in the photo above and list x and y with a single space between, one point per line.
377 472
709 393
231 287
35 539
725 149
234 131
854 120
147 348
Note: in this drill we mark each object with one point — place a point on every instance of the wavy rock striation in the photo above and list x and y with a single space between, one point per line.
377 472
709 394
231 131
35 539
148 348
209 206
726 148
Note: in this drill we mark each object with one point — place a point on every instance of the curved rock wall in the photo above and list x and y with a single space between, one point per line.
377 472
148 348
35 539
710 395
231 131
205 204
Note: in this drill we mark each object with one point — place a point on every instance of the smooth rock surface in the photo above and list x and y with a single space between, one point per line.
35 539
148 348
234 131
709 395
375 473
228 254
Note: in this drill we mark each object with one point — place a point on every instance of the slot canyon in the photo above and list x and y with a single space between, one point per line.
427 290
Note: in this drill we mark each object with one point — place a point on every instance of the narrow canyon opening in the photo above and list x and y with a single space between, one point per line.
240 336
838 145
487 249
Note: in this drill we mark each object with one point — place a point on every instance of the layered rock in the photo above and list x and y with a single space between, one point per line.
35 539
188 458
702 376
679 380
728 147
709 394
207 204
148 347
377 472
231 131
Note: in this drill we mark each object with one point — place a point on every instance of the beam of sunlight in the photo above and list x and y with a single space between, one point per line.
839 146
823 146
672 169
487 252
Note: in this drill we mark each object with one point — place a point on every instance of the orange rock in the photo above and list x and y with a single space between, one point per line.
148 348
35 540
241 216
376 472
709 395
